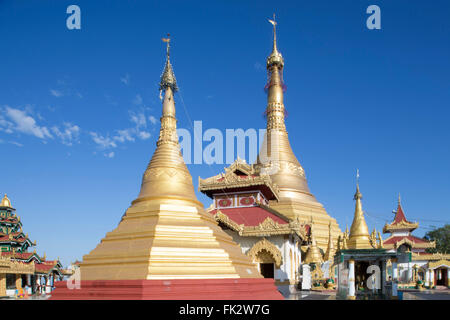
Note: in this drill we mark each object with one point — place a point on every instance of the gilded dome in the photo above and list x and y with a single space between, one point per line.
5 202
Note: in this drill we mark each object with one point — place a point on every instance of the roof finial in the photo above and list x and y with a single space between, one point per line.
358 194
274 23
168 79
167 40
399 199
275 57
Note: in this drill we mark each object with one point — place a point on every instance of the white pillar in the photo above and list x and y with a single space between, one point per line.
427 277
431 278
394 279
351 280
286 258
410 272
306 277
48 285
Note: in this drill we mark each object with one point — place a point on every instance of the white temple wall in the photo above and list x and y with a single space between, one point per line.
287 247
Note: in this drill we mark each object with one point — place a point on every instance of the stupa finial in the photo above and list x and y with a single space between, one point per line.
275 58
168 79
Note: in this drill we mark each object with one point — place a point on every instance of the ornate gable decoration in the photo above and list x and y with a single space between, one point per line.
229 179
267 228
402 225
268 246
439 263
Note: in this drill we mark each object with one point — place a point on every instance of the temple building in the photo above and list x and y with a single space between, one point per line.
267 206
269 238
18 267
431 269
167 246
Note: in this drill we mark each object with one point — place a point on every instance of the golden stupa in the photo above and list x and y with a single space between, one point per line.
359 237
277 159
313 255
166 233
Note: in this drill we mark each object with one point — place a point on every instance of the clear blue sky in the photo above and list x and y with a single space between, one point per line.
77 106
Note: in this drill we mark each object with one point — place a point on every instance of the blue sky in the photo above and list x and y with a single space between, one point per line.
79 109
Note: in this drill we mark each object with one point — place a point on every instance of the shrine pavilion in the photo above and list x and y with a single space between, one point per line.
20 268
418 266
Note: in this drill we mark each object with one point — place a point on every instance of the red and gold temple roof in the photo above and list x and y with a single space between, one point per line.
258 220
400 222
414 242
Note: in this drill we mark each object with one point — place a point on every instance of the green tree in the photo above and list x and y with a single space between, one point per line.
442 238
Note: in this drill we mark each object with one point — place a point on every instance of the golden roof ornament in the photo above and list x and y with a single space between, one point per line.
359 237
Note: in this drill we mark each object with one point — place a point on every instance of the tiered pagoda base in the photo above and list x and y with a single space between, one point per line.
179 289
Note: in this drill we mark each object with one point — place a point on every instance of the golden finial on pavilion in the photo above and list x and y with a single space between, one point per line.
399 199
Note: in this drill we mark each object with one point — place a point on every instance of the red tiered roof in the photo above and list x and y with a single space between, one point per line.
250 216
45 266
393 240
399 216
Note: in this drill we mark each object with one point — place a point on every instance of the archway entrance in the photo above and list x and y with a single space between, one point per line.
440 276
266 263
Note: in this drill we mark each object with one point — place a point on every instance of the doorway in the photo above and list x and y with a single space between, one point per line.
440 276
267 270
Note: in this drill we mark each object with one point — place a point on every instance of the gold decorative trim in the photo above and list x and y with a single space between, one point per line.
434 256
264 244
9 266
402 225
435 264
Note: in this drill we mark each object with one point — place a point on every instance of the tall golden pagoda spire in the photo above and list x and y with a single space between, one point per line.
277 159
359 232
166 233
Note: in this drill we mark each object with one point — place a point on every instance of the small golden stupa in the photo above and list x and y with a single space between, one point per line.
329 254
313 255
166 233
359 237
